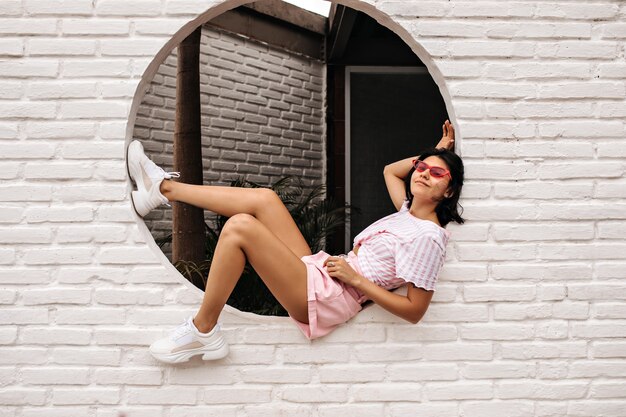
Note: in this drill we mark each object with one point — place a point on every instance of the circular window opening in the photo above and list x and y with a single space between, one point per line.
312 103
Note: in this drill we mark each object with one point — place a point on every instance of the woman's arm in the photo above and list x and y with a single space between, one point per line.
395 173
410 307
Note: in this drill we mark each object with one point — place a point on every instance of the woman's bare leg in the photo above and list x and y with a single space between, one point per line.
261 203
245 237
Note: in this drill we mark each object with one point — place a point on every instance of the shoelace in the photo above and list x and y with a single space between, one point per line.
180 330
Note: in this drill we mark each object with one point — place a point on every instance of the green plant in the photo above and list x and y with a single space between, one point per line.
316 218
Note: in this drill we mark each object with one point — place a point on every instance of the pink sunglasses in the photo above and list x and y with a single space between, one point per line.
437 172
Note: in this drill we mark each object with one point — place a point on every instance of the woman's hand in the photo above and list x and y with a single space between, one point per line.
340 269
447 138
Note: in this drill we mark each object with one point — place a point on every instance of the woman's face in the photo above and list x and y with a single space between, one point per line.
425 186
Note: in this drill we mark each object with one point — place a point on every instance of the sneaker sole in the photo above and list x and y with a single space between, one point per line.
135 152
184 356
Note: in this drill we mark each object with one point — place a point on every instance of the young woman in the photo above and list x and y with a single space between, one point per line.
318 291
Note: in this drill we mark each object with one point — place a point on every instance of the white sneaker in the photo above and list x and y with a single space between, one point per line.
186 341
148 177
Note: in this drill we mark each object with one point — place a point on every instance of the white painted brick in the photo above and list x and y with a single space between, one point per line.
95 27
9 171
271 335
491 9
93 109
91 193
160 27
543 232
252 355
24 276
544 190
430 332
32 26
315 393
90 275
463 272
458 391
498 370
24 316
561 10
157 275
415 8
97 150
49 214
8 130
134 411
552 390
497 408
123 8
55 376
361 410
169 395
115 171
594 329
92 315
492 90
491 331
127 255
551 292
71 7
10 214
7 256
316 353
610 189
581 369
85 396
58 256
9 90
209 411
274 375
607 389
57 412
219 375
582 129
29 68
11 47
118 89
346 373
586 408
605 270
133 47
60 130
26 150
585 211
129 376
8 335
612 70
98 234
128 296
28 109
11 8
430 409
22 396
12 356
432 28
53 90
611 149
55 336
7 296
459 352
603 291
612 349
612 230
57 171
95 68
132 337
53 47
112 130
56 296
609 311
149 316
502 171
537 350
423 372
578 49
84 356
482 252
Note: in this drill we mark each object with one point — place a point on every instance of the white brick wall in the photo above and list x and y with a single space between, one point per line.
529 316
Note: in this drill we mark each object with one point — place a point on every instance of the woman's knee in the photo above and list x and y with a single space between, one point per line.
239 225
267 197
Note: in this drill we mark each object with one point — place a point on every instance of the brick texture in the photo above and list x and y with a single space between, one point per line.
528 318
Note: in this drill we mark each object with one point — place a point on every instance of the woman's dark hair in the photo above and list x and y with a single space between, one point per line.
448 209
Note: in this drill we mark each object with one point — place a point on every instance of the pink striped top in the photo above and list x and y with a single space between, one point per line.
401 248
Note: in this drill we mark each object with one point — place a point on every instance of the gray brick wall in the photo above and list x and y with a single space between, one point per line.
262 115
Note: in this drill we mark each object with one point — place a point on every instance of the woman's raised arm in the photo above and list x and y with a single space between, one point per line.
395 172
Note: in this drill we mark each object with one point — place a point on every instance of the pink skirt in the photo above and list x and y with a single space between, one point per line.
331 302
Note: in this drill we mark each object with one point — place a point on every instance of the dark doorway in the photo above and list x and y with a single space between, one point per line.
393 113
383 105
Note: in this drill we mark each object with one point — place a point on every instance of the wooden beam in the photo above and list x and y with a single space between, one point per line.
343 23
292 14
